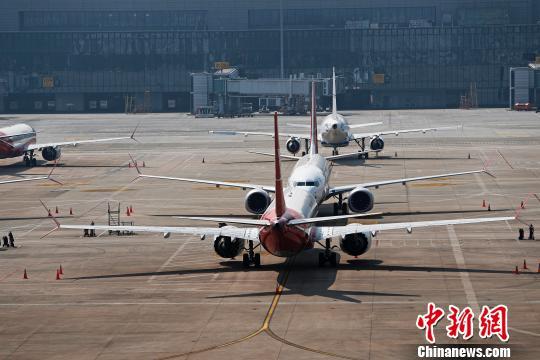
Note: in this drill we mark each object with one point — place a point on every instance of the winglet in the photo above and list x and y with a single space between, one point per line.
280 197
520 208
49 177
132 137
313 146
57 224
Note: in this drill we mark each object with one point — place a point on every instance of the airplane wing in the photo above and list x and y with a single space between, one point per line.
203 181
242 233
48 177
397 132
247 133
329 158
78 142
376 184
324 232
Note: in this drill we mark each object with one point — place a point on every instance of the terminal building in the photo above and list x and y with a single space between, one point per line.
103 55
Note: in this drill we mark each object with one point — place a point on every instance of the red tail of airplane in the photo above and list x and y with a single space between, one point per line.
280 197
314 145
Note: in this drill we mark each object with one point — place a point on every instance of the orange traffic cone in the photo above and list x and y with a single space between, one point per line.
70 211
25 275
516 271
57 274
525 264
60 270
56 210
489 207
127 212
484 203
131 209
129 165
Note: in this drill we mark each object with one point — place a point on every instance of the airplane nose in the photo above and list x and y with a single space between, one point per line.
334 126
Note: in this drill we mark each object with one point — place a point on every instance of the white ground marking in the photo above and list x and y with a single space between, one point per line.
460 262
169 260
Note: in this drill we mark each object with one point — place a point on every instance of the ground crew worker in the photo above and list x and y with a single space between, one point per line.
521 234
92 231
11 240
5 243
531 232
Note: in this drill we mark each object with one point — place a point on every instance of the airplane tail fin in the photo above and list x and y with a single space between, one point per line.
314 145
280 197
334 92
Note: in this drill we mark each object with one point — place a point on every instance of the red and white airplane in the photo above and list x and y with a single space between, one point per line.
336 132
289 223
20 140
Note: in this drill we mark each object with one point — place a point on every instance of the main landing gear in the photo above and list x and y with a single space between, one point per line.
340 205
328 255
29 159
362 153
335 152
250 258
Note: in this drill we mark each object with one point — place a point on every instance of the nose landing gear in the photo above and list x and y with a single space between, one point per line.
29 159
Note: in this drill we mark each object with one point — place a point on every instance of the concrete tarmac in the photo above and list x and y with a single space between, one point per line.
146 297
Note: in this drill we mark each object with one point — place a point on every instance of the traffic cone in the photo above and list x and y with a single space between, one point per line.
484 203
131 209
469 156
522 205
57 274
525 264
25 275
127 212
70 211
489 207
50 215
60 270
129 165
143 164
203 160
56 210
516 271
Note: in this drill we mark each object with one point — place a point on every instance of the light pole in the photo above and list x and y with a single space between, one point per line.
281 37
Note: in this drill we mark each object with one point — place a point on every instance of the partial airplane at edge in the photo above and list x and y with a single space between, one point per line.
336 132
288 225
20 140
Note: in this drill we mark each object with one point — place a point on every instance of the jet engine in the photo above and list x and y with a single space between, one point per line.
356 244
360 200
227 247
293 145
376 144
51 153
257 201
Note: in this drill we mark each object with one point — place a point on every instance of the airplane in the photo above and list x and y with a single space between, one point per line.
48 177
336 132
288 225
20 140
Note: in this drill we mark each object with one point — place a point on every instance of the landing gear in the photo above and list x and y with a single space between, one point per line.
29 159
250 258
328 256
335 152
340 205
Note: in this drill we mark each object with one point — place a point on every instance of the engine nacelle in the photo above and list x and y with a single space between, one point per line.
51 153
257 201
293 145
360 200
356 244
376 144
228 248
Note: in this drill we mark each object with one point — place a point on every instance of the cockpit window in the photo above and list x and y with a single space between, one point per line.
307 183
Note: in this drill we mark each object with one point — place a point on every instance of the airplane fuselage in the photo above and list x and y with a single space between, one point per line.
334 131
15 139
307 188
